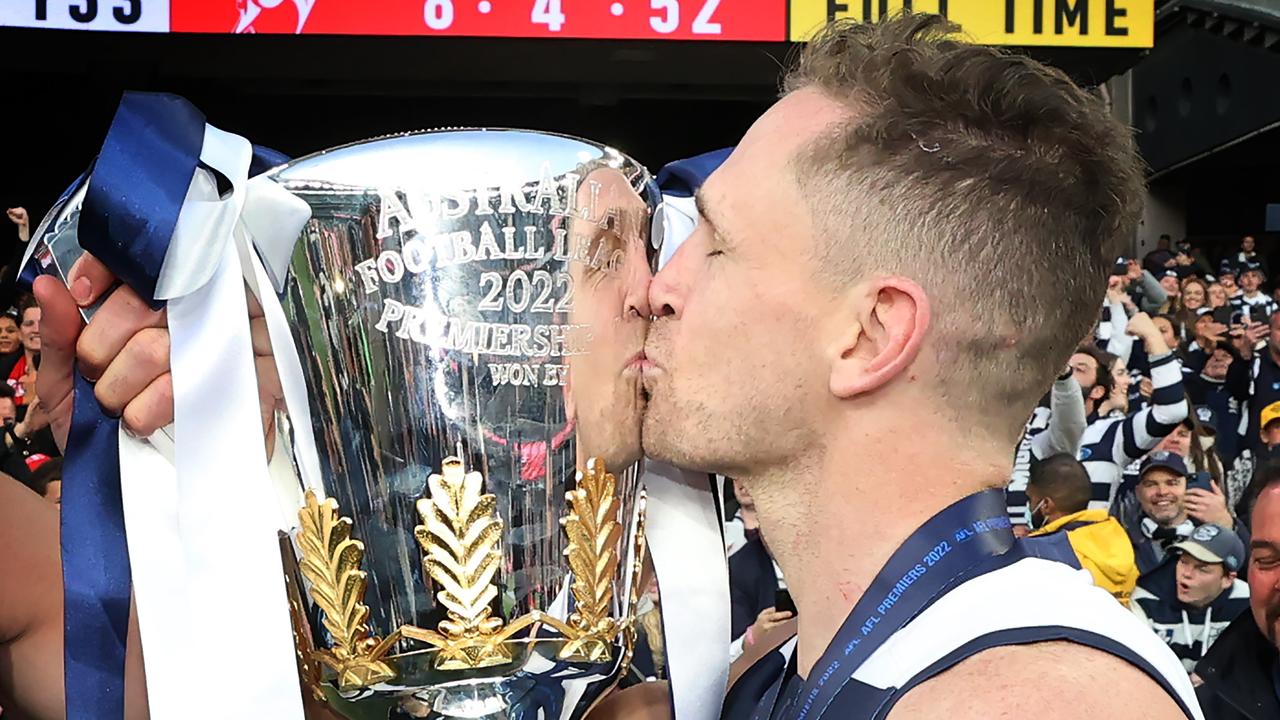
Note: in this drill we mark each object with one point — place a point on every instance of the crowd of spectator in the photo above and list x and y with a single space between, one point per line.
29 452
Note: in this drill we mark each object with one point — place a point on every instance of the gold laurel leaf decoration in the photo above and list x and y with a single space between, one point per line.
460 538
331 563
594 532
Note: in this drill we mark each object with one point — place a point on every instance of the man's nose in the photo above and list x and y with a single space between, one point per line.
638 287
667 291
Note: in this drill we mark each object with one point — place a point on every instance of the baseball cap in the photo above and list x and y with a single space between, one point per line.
1226 268
1213 543
1252 267
1171 273
1121 267
1209 419
1163 459
1269 413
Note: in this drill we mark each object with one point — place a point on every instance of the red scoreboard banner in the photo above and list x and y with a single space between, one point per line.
611 19
1072 23
764 20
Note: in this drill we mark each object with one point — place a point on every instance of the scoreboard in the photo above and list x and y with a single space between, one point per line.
1070 23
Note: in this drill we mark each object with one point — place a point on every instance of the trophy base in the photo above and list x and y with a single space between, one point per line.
536 685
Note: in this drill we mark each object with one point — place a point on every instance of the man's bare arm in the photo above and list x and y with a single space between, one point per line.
30 603
31 679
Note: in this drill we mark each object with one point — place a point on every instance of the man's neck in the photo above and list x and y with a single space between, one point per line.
834 524
1174 522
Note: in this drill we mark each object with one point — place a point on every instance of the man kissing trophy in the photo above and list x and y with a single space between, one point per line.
449 517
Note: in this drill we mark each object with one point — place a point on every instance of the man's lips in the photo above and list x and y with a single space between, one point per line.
640 362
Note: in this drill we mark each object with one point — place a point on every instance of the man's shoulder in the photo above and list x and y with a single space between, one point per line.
1017 679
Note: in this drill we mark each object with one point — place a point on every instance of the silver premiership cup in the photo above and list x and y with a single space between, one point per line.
470 310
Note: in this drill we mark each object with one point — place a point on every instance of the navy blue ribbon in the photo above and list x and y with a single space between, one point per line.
682 178
138 185
130 209
131 206
945 548
95 562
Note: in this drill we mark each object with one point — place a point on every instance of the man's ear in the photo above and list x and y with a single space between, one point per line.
887 318
1097 392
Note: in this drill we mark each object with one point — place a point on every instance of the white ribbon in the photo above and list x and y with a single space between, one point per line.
285 352
683 530
203 528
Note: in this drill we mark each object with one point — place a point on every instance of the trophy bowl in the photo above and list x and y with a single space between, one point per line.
469 309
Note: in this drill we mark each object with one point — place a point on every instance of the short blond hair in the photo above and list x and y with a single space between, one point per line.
997 183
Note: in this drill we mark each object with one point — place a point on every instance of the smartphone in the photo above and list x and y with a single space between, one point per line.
1222 315
782 601
1201 480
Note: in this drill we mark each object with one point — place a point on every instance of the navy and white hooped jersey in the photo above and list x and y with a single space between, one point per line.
1189 631
1111 444
1260 306
1032 599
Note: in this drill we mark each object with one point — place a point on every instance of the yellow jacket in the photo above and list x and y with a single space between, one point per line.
1103 547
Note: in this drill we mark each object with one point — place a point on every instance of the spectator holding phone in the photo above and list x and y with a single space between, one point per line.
1254 375
1172 507
1206 334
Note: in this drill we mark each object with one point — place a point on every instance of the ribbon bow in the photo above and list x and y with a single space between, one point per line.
154 214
